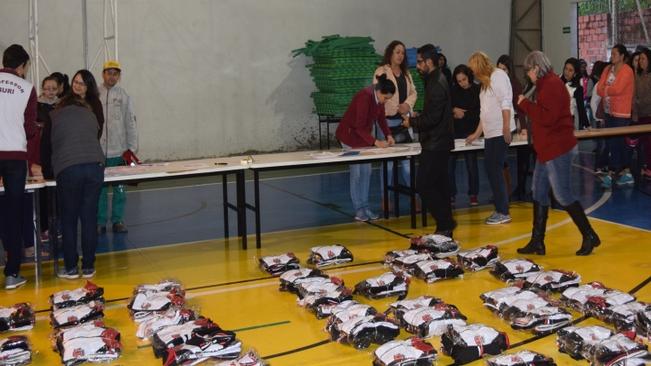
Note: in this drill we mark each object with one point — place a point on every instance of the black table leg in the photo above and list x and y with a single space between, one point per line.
256 198
241 207
53 227
412 190
385 189
225 203
396 188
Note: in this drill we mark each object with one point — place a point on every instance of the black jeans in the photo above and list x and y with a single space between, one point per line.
494 156
14 173
471 168
432 184
78 190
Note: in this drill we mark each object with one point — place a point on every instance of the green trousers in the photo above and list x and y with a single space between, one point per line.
119 198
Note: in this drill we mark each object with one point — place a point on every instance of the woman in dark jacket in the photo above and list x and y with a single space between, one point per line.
572 79
556 147
465 111
78 165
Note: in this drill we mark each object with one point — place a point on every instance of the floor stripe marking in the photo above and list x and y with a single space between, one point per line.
261 326
296 350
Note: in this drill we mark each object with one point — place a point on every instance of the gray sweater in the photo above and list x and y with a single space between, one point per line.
74 138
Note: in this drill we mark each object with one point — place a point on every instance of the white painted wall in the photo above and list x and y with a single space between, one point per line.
215 77
559 46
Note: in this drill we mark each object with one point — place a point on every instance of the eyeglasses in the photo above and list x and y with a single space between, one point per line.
51 89
80 83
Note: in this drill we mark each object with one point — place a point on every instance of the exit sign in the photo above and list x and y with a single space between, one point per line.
566 30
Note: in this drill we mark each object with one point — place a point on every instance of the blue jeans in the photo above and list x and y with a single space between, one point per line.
360 183
404 168
555 175
615 155
78 190
13 173
494 156
471 168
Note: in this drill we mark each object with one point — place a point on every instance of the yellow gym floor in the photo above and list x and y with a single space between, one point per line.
225 284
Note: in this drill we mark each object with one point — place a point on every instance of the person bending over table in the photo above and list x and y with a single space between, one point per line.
355 131
435 129
78 164
556 147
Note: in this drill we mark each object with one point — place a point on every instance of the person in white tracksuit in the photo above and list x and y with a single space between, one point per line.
119 143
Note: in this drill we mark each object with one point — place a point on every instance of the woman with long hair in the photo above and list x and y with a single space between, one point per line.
616 88
572 79
84 87
465 112
497 124
394 66
556 148
355 131
78 165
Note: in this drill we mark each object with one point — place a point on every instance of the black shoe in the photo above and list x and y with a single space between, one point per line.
448 232
101 229
590 238
120 228
537 243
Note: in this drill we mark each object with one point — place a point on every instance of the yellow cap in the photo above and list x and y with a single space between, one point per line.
112 64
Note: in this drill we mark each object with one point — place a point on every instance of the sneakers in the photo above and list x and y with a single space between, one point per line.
606 182
71 274
361 215
473 200
14 282
88 273
371 215
120 228
497 218
625 179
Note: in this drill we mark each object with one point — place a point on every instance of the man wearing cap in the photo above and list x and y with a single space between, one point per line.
119 143
17 125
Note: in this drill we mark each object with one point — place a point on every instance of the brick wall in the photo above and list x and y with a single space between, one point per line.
594 33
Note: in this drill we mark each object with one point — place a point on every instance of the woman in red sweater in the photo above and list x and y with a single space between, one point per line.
556 147
355 131
616 88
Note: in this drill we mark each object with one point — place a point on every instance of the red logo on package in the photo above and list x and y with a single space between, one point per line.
398 357
78 352
65 297
427 318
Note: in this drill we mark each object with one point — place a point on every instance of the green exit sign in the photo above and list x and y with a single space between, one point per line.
566 30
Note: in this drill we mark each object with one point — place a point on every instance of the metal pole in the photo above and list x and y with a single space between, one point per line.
641 14
614 20
115 28
84 29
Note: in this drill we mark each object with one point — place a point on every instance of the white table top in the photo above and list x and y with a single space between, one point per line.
30 185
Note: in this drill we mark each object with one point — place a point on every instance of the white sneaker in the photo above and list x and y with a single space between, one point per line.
497 218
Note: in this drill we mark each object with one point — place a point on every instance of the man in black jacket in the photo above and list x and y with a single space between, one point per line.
435 130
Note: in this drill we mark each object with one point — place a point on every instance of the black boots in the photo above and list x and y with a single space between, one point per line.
537 243
590 238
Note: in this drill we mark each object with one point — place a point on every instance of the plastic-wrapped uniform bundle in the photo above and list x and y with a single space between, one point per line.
600 306
75 315
555 280
322 303
177 335
394 254
15 351
173 316
86 330
519 304
577 341
162 286
469 343
513 269
88 343
577 297
329 255
522 358
385 285
478 259
399 308
290 279
643 323
439 246
408 262
251 358
432 321
542 320
146 303
346 311
17 317
623 316
492 298
437 269
362 331
412 351
199 349
277 264
83 295
619 350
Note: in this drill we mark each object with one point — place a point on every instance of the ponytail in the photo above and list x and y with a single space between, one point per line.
384 85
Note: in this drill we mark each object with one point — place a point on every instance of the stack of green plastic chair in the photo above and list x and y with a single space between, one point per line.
342 66
420 89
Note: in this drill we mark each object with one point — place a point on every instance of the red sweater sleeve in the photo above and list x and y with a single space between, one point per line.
30 115
362 107
545 110
623 81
